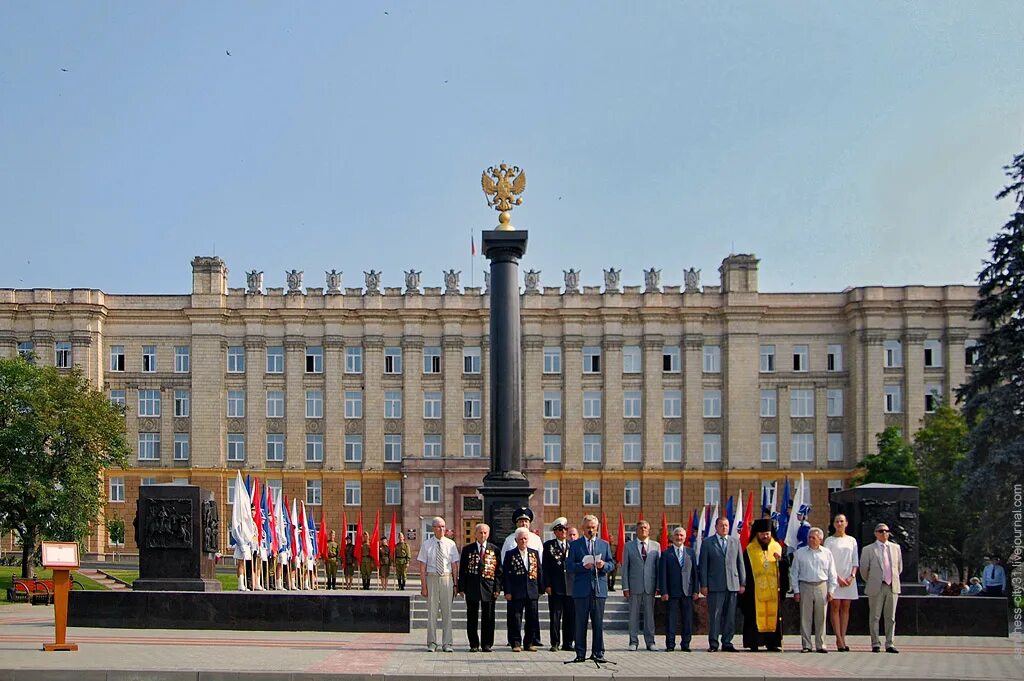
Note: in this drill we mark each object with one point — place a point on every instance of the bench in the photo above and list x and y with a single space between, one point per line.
34 591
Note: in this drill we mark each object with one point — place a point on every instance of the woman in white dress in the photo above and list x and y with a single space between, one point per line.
844 550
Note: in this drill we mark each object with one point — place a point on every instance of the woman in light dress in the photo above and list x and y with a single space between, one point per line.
844 550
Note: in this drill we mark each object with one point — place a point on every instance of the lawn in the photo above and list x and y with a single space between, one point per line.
228 582
7 573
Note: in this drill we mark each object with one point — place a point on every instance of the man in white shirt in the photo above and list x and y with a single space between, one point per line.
523 517
814 576
439 572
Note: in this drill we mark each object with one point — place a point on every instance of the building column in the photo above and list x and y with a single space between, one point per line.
820 426
872 393
255 401
572 403
334 406
451 347
954 361
412 396
693 402
533 396
208 407
373 406
741 402
652 346
294 402
913 381
784 437
611 407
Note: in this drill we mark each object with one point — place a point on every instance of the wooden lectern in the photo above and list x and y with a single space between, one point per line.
62 558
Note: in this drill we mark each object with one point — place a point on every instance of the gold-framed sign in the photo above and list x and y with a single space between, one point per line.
58 554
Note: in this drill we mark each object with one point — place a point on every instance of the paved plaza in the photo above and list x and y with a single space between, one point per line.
181 655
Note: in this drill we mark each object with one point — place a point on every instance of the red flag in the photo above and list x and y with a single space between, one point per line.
375 541
275 545
321 536
344 538
641 515
257 510
359 539
748 518
664 532
620 547
391 536
472 244
604 529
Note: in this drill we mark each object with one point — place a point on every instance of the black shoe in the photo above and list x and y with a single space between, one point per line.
728 648
486 649
805 650
668 649
876 649
598 659
474 650
568 649
712 649
553 649
821 650
578 659
685 649
891 649
774 649
753 649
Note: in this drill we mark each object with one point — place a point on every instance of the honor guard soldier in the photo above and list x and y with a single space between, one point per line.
562 623
331 562
403 554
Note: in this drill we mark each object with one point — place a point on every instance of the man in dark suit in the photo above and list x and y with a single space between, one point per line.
590 561
680 588
480 583
560 604
722 577
522 577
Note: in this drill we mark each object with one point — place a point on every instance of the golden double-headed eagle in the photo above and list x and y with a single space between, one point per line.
502 186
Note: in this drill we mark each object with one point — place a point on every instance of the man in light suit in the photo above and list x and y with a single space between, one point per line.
640 582
722 577
880 565
589 562
677 578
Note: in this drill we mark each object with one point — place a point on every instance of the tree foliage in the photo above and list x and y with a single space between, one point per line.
57 435
993 396
893 463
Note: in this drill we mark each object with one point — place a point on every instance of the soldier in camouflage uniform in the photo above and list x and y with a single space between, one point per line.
331 562
350 563
384 558
366 564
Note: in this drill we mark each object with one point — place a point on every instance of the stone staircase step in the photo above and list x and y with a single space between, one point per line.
102 578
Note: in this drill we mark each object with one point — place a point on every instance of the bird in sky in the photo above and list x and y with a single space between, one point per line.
64 70
227 53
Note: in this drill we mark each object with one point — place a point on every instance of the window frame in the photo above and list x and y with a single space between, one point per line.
632 359
314 448
632 404
432 360
552 360
117 358
592 359
472 361
235 359
393 360
274 360
667 444
767 359
714 442
179 440
273 440
316 354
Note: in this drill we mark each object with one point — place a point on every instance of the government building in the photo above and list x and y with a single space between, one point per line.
636 398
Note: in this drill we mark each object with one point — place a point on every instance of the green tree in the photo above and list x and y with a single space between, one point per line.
115 532
893 464
57 435
993 395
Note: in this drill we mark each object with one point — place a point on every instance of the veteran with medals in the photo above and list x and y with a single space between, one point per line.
522 578
768 582
480 583
562 623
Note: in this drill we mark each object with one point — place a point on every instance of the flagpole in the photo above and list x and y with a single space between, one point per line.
472 259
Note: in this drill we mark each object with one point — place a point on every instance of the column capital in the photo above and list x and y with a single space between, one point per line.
452 342
871 337
412 342
693 341
533 342
81 338
255 342
652 341
612 342
956 335
573 342
375 342
292 342
914 336
334 342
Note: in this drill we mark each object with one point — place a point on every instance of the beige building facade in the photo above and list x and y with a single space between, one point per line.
654 399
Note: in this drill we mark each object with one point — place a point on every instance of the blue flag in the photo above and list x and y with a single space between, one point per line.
765 506
783 513
730 512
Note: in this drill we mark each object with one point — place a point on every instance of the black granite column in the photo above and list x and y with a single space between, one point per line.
505 487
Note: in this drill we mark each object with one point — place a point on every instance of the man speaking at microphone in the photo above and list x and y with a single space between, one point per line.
589 562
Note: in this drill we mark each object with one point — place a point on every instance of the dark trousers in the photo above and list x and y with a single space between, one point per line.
332 575
486 635
676 607
993 591
516 608
721 617
589 610
562 621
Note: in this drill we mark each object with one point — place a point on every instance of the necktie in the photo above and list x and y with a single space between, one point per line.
590 546
643 550
679 556
721 543
886 564
481 551
440 560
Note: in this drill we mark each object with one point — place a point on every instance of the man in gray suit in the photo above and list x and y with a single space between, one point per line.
639 583
881 563
722 577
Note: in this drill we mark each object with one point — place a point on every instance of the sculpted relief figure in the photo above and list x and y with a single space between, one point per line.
487 282
294 278
372 281
412 281
532 279
254 282
451 281
572 280
691 278
612 279
652 280
333 281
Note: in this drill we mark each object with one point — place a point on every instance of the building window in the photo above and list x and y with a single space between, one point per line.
432 490
631 363
432 446
275 447
116 488
673 493
835 446
392 492
275 489
392 360
801 358
932 354
631 449
932 397
592 404
672 448
62 354
471 446
591 360
592 448
149 403
712 492
236 404
149 358
592 493
972 353
893 399
353 404
552 404
801 403
631 493
712 404
354 360
26 350
182 359
552 360
767 359
712 359
117 397
767 493
672 404
181 403
432 360
314 404
314 360
231 491
236 360
834 486
392 449
431 405
117 358
834 360
392 404
769 448
353 448
353 493
314 491
314 448
275 359
236 447
712 447
802 447
631 404
552 449
149 446
471 360
834 402
893 354
670 363
471 404
769 399
275 404
181 447
552 493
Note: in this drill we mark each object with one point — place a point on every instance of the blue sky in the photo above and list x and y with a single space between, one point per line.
842 143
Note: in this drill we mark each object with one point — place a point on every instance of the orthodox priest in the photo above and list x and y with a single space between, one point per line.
767 583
